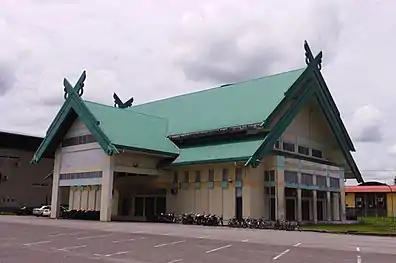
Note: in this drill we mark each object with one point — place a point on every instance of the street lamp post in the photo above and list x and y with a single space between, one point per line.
393 215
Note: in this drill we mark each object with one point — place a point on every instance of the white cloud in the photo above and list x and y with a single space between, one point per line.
367 124
152 49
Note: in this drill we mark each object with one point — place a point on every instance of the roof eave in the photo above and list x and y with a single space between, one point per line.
218 160
145 150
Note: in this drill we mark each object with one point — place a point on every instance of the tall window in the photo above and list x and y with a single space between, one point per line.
225 175
197 176
238 174
175 177
211 175
186 177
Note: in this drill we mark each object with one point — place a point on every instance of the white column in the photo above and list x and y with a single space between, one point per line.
280 195
315 205
336 206
328 206
55 202
299 205
107 190
342 196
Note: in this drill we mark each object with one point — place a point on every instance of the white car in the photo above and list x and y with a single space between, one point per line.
45 210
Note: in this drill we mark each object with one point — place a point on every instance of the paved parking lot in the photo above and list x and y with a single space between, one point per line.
26 239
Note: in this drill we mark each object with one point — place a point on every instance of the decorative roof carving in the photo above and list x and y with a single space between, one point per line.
118 103
77 90
310 59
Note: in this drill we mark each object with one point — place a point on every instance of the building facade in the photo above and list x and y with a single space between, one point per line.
20 182
371 199
272 147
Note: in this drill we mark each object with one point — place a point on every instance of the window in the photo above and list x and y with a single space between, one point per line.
321 180
303 150
287 146
175 177
291 177
186 176
197 176
307 179
277 145
238 174
83 139
211 175
269 176
334 182
317 153
225 175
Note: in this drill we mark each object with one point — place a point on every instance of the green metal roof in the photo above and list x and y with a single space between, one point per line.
126 128
229 151
231 105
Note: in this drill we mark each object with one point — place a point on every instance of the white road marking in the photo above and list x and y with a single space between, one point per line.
176 260
71 248
37 243
92 237
112 254
216 249
359 259
117 253
296 245
358 249
245 240
202 238
172 243
127 240
64 234
281 254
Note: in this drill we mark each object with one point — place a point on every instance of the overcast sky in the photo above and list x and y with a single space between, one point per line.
153 49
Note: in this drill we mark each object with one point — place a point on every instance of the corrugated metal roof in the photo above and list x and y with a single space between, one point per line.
374 189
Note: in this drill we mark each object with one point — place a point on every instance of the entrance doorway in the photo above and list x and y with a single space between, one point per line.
149 206
305 206
290 209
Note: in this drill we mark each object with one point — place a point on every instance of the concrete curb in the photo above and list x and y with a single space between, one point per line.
351 233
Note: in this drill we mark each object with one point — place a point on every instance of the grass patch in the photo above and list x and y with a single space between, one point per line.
6 213
368 225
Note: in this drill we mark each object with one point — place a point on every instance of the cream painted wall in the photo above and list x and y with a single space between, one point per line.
22 188
310 128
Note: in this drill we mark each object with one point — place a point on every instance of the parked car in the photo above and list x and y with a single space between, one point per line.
44 210
25 210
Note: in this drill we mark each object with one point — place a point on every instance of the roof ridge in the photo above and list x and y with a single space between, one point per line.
127 110
218 87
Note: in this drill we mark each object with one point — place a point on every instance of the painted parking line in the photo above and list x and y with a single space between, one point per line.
64 234
170 244
176 260
203 237
37 243
281 254
297 245
245 240
217 249
112 254
94 237
127 240
71 248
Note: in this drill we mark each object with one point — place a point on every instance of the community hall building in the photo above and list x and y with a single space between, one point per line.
272 147
371 199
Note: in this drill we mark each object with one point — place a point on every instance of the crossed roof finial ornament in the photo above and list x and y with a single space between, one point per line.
310 59
77 90
118 103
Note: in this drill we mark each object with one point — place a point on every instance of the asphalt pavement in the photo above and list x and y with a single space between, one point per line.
30 239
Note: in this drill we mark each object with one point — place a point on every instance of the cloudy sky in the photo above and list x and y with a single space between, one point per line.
153 49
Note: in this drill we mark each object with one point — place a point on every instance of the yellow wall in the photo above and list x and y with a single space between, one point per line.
391 197
350 200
